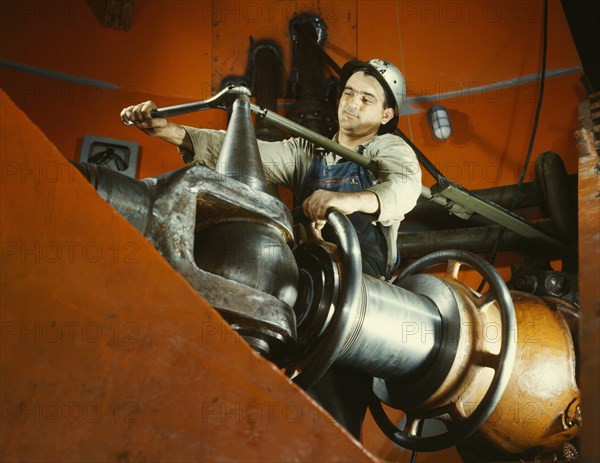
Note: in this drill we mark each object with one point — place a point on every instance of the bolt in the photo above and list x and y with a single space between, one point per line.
553 283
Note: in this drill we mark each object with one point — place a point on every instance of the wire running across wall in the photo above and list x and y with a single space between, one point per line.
536 119
401 44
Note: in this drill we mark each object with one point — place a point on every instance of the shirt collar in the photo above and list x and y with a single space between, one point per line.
358 148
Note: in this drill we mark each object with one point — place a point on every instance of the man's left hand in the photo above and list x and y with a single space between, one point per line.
315 207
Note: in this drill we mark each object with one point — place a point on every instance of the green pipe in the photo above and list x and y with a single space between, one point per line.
300 131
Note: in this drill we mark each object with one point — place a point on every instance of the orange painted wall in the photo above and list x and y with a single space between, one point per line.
176 51
175 48
160 376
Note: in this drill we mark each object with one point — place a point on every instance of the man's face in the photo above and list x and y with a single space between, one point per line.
362 106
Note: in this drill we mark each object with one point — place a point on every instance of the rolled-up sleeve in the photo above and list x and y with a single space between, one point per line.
398 174
207 145
285 162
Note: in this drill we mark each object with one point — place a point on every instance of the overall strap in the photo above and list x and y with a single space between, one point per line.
348 177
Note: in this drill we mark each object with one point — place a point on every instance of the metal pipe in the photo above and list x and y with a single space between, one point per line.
266 81
319 140
310 72
552 178
473 239
132 198
396 333
266 87
501 195
311 109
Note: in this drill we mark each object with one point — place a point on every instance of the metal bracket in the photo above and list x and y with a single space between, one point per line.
460 195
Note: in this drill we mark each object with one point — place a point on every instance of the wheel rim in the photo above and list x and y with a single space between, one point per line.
329 345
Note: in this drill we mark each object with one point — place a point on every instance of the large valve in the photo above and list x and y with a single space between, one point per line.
501 362
408 338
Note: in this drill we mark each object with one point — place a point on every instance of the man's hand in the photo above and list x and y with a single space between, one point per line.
140 115
315 207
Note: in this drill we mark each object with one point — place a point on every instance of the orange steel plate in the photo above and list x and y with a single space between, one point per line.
108 354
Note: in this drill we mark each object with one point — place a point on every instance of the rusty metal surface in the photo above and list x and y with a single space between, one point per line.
109 355
589 265
178 210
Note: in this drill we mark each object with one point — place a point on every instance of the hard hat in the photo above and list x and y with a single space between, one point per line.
390 78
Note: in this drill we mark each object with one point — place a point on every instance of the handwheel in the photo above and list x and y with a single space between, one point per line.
322 356
501 363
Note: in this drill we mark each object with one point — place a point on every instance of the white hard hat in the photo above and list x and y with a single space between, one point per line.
390 78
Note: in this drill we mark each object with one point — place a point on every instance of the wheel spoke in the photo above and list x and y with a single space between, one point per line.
291 372
487 296
453 269
486 359
482 301
412 425
460 411
485 301
446 411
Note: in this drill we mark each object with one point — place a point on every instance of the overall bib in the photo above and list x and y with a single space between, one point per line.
348 177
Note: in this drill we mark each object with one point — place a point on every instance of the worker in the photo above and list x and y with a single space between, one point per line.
375 202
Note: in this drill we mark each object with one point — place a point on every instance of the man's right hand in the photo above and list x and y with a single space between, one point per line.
171 132
140 115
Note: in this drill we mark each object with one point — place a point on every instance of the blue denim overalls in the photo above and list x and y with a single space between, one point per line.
348 177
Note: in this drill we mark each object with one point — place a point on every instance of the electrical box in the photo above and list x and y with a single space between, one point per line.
118 155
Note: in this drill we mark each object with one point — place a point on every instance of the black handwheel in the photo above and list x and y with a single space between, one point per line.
322 356
502 362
